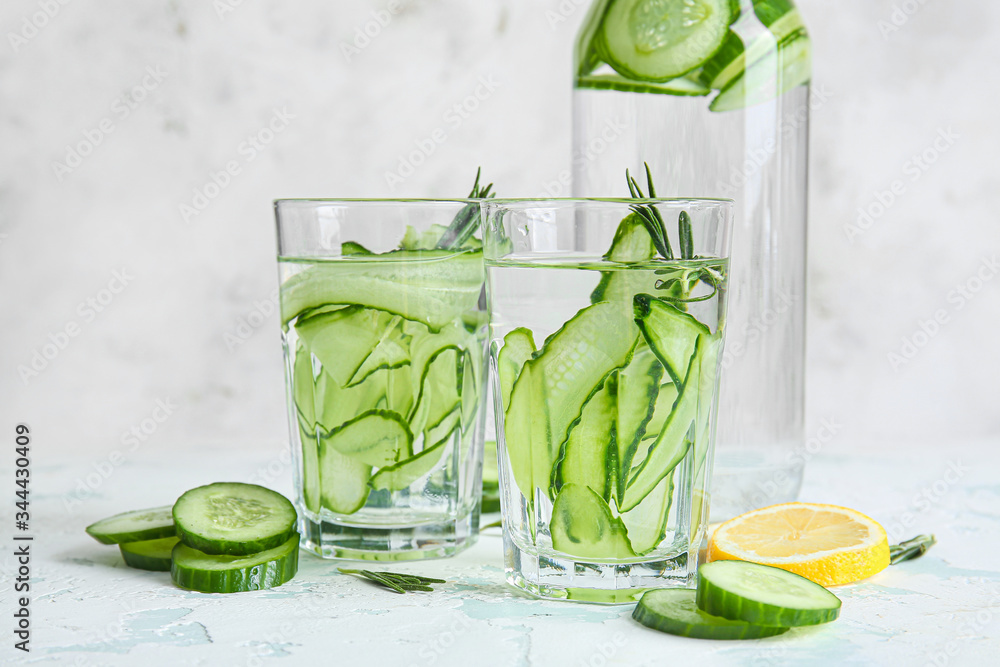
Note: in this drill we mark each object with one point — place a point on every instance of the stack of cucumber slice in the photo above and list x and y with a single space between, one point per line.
219 538
387 364
738 600
694 47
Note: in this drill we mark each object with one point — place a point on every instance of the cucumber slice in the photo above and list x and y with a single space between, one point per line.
344 480
304 398
433 287
351 248
233 518
794 70
588 457
638 387
491 478
553 387
377 438
153 555
403 474
198 571
135 526
674 611
665 400
472 369
671 334
344 340
647 522
781 19
673 442
632 243
682 86
583 526
763 595
588 51
660 40
518 347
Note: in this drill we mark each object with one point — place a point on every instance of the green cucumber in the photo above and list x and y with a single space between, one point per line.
207 573
392 352
671 334
135 526
491 478
554 385
304 397
582 526
660 40
344 340
682 86
433 287
781 19
233 518
794 70
763 595
518 347
665 399
472 370
638 387
401 475
673 442
646 523
587 46
631 244
588 457
152 555
344 481
674 611
442 392
377 438
351 248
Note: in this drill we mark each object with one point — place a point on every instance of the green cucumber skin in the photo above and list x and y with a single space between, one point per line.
161 525
152 555
240 578
735 95
582 526
654 607
716 600
219 545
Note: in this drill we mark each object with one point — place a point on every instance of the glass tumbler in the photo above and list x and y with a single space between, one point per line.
384 331
606 334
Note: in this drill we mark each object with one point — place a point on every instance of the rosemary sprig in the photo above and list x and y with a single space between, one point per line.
910 549
650 215
396 581
466 222
687 239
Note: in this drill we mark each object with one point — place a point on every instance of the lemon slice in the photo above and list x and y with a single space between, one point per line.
828 544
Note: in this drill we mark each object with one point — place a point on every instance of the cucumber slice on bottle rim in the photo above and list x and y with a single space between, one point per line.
233 518
153 555
675 611
763 595
198 571
661 40
135 526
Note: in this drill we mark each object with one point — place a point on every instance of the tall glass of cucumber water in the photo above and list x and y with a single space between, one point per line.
384 330
606 331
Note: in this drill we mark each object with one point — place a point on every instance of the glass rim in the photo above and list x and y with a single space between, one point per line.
372 200
609 200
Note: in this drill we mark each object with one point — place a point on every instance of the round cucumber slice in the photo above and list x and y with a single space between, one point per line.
763 595
135 526
674 611
203 572
151 555
659 40
233 518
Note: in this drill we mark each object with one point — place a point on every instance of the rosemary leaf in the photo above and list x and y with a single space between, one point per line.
396 581
910 549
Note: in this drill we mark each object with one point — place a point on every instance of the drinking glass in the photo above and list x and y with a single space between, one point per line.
384 328
606 332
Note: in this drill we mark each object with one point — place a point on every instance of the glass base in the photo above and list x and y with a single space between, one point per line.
556 578
747 479
327 539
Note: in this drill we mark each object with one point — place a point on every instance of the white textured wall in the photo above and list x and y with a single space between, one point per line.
221 76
